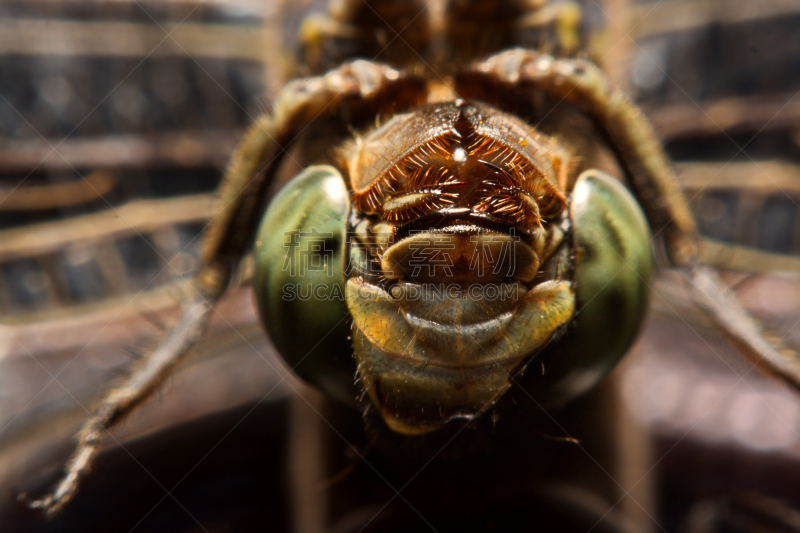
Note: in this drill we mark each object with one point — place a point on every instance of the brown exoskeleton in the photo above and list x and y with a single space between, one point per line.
517 131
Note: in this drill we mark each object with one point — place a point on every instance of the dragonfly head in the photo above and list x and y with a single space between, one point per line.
446 236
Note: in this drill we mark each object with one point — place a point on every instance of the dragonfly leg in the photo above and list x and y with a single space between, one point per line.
122 400
741 329
652 178
229 235
391 31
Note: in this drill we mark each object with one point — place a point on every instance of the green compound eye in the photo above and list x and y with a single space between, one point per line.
613 263
299 279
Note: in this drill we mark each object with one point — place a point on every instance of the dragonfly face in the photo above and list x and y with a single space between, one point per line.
464 251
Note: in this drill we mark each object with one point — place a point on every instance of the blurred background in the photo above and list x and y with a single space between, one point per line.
116 120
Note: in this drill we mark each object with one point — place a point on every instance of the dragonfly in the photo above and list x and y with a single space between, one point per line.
317 54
